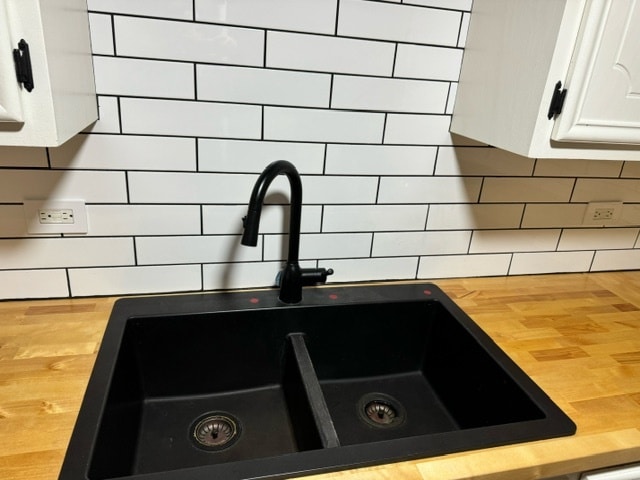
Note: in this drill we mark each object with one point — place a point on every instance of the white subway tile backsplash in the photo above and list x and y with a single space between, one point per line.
252 156
380 160
389 244
101 34
184 188
264 86
591 189
373 218
335 190
194 42
451 100
189 118
13 221
418 129
502 241
109 116
526 190
194 249
631 170
389 94
428 62
105 220
563 167
240 275
180 9
301 15
120 152
474 216
598 238
93 187
329 54
453 4
148 78
29 253
630 214
134 280
550 262
553 215
196 97
403 23
429 190
359 269
17 284
314 125
320 246
227 219
482 161
451 266
608 260
464 29
23 157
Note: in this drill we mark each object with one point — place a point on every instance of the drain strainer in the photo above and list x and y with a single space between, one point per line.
381 410
215 431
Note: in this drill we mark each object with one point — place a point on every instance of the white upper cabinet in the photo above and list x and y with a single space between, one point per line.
57 98
604 77
519 52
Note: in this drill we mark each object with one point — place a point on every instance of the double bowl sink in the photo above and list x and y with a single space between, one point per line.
239 386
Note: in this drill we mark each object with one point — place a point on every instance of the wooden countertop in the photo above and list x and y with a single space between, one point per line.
576 335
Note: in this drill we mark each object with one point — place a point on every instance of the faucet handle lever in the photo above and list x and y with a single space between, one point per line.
311 276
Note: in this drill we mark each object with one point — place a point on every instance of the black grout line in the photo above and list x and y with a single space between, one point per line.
113 33
68 278
275 68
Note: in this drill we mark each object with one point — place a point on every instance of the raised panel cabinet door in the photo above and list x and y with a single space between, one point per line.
603 88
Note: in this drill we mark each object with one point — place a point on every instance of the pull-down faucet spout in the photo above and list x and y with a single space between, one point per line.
293 277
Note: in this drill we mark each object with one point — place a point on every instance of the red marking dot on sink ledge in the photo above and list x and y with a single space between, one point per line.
254 300
333 296
427 292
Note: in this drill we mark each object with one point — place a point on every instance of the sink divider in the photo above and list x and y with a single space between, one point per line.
317 403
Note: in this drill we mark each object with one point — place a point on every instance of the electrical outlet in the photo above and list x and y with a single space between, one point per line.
55 216
602 213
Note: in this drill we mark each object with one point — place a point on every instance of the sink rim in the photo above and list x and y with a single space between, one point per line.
78 458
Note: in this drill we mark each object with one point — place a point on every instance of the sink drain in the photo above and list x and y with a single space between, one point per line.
381 410
215 431
380 413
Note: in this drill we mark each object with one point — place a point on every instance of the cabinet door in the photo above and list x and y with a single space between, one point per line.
10 106
603 89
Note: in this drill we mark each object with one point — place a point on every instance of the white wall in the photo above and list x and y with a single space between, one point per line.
357 94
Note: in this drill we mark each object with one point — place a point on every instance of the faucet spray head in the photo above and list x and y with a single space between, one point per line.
251 225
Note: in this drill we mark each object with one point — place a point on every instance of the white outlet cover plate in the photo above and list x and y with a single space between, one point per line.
32 217
592 207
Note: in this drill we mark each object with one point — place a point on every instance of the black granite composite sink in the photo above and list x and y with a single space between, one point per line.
239 386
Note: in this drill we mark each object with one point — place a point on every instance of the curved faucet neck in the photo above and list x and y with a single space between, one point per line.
250 236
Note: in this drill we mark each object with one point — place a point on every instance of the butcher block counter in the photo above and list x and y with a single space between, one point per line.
576 335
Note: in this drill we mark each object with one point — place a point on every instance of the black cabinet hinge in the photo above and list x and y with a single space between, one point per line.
22 59
557 101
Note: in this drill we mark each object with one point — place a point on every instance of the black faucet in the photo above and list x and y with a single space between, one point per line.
293 277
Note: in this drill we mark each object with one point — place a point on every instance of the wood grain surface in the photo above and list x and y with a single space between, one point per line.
576 335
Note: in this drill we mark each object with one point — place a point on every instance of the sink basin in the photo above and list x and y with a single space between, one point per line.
239 386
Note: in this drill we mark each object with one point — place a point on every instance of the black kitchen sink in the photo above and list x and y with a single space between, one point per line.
239 386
